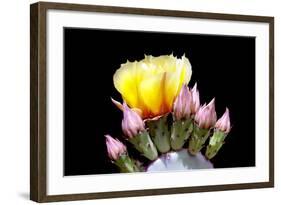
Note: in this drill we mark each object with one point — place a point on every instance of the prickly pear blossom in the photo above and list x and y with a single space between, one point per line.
152 84
195 99
223 124
182 104
206 116
132 123
114 147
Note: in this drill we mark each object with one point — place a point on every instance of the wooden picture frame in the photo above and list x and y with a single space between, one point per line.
38 100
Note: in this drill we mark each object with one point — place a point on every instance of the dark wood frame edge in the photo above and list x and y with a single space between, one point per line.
38 130
37 108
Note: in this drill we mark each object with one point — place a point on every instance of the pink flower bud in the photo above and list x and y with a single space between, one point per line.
195 99
132 123
223 124
182 104
114 147
206 116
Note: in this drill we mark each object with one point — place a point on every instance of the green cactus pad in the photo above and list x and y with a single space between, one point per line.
179 161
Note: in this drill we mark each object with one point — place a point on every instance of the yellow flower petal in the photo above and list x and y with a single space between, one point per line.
185 66
151 93
171 88
124 81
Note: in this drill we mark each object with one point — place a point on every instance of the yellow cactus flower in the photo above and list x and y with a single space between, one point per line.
151 85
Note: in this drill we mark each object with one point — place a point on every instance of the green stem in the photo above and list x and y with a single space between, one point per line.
198 139
126 164
215 144
143 143
181 131
160 133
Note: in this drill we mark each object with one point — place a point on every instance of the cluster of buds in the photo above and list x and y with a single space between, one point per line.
198 122
195 123
192 124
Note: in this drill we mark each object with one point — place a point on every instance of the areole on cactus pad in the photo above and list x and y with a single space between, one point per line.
163 119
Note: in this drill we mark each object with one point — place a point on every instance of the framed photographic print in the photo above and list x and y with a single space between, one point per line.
133 102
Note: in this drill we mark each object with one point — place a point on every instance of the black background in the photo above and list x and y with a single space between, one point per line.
223 67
